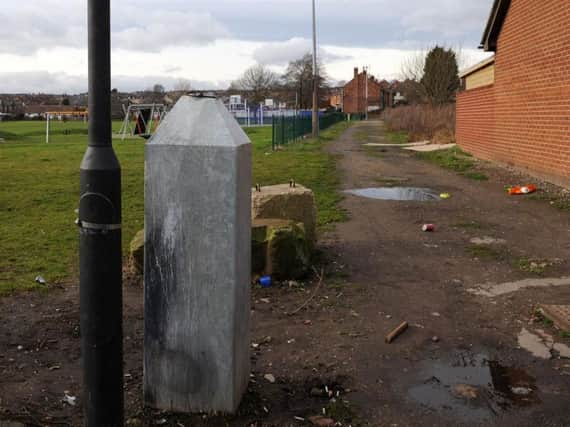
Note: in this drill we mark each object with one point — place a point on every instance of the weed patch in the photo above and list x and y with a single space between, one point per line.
476 176
560 203
397 137
389 181
469 225
486 253
534 266
452 159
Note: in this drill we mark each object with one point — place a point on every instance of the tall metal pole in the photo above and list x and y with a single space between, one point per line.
315 78
366 97
100 257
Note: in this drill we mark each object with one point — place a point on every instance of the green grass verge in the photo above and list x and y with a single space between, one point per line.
456 160
40 187
307 163
453 159
397 137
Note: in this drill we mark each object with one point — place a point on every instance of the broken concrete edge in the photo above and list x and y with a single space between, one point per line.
430 148
409 144
492 290
542 345
558 314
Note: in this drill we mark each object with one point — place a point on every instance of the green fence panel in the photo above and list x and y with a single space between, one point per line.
287 129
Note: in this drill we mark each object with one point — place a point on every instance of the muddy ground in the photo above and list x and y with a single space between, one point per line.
459 362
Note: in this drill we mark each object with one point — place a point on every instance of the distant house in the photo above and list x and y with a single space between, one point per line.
335 98
365 94
515 106
35 111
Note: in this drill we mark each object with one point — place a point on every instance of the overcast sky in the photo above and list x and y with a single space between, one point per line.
210 42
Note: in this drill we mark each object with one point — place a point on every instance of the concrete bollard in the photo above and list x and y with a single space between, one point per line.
197 260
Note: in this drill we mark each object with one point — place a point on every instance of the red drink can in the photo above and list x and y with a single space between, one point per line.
428 227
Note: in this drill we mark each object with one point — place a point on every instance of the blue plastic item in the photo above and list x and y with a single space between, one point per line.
265 281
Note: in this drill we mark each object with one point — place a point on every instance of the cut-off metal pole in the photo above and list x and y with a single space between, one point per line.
283 129
100 240
315 78
47 128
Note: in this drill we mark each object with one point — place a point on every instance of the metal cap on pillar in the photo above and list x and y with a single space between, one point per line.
100 239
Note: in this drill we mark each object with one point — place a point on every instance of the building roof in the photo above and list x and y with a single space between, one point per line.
494 25
43 108
477 67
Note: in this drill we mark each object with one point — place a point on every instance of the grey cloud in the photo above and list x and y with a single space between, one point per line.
26 27
46 82
142 26
280 53
147 25
170 29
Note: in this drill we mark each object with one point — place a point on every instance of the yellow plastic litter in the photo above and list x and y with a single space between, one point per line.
445 196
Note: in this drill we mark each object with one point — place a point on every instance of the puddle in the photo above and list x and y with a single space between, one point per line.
397 193
473 387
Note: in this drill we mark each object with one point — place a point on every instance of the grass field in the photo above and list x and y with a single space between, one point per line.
40 185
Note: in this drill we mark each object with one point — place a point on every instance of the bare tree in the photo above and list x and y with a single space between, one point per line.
257 82
158 88
183 85
299 78
412 67
412 71
430 76
180 88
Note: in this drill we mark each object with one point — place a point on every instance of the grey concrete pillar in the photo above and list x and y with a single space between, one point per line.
197 260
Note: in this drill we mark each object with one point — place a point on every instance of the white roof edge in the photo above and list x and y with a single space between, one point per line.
477 67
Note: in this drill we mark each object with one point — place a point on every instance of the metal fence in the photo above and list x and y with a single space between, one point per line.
287 129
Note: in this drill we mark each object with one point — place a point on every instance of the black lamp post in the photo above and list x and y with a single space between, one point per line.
100 239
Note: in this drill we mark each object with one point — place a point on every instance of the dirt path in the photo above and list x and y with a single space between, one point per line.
423 278
457 364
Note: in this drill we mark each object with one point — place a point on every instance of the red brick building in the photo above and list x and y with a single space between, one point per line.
515 107
365 91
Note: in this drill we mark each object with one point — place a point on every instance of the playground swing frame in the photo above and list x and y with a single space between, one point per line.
157 113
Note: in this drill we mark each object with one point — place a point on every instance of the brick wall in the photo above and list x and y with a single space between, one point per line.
354 100
524 119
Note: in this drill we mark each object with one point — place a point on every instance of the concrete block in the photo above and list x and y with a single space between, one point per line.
280 248
197 260
285 202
